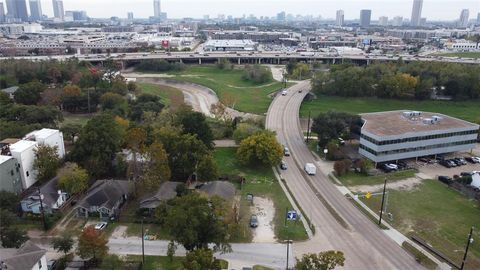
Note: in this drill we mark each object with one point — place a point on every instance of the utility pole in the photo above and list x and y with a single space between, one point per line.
288 247
143 246
469 241
308 128
383 200
42 210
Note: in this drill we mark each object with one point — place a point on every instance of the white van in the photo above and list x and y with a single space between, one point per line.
310 169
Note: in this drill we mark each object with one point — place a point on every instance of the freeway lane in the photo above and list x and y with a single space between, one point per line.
364 244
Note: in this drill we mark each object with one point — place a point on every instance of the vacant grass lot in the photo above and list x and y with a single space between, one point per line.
232 90
171 97
81 119
461 54
355 179
260 182
439 215
467 110
157 262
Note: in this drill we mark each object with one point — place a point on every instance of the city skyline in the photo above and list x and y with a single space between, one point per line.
432 9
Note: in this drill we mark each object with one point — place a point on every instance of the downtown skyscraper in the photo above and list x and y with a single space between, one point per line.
464 15
340 19
416 13
17 9
157 10
365 17
58 9
35 10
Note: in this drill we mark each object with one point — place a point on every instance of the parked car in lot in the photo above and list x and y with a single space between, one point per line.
445 179
253 221
283 165
473 159
448 163
466 173
389 167
459 161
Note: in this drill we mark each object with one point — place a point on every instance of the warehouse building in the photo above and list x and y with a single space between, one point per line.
229 45
396 135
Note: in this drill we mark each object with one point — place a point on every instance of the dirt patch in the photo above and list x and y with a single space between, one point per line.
265 211
119 232
406 185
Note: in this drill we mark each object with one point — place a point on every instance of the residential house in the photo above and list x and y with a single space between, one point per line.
104 198
10 179
24 152
223 189
52 198
166 192
28 257
10 91
50 137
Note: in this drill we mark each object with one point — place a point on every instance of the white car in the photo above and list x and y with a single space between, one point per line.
284 92
100 226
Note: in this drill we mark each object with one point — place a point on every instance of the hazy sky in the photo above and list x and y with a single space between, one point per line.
432 9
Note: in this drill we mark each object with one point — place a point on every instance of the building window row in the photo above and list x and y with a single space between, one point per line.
420 138
414 149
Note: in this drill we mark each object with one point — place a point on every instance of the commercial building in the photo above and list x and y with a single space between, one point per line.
365 17
2 13
229 45
35 10
463 21
383 21
396 135
157 10
397 21
17 10
416 12
10 179
340 19
130 16
58 9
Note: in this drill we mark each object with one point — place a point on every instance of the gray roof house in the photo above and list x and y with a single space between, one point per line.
164 193
52 198
105 197
223 189
28 257
10 91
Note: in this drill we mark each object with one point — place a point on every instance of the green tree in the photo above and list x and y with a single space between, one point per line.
257 74
244 130
207 169
10 235
171 250
300 71
92 244
332 125
260 148
157 170
110 101
195 222
201 259
72 178
112 262
71 130
196 123
63 243
327 260
135 139
46 162
29 93
98 143
9 201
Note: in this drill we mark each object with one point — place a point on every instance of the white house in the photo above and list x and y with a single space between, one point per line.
24 152
50 137
28 257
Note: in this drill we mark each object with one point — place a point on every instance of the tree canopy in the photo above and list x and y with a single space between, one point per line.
333 125
46 162
327 260
92 244
260 148
72 178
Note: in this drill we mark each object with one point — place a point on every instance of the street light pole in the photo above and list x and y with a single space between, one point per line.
143 246
288 248
383 200
42 210
308 126
470 240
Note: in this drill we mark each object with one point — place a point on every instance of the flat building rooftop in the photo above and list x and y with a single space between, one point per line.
402 122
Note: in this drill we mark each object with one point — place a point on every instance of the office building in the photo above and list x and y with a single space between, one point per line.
397 21
396 135
365 17
35 10
17 9
58 9
383 21
157 10
463 21
423 21
281 16
416 12
130 16
478 18
340 18
2 13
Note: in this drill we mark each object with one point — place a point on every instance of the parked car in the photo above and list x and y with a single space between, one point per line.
466 173
473 159
459 161
101 225
283 165
286 151
445 179
284 92
51 264
341 141
254 221
389 167
448 163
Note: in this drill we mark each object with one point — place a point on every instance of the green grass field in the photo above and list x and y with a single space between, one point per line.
439 215
171 97
157 262
232 90
355 179
461 54
467 110
81 119
260 182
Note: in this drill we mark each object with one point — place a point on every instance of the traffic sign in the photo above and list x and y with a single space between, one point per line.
292 215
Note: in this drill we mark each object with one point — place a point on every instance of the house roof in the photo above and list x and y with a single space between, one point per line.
49 191
223 189
105 193
165 192
10 90
21 146
23 258
4 158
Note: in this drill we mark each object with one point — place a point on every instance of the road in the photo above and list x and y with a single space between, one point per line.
364 244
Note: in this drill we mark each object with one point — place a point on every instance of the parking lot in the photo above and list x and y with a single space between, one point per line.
435 169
